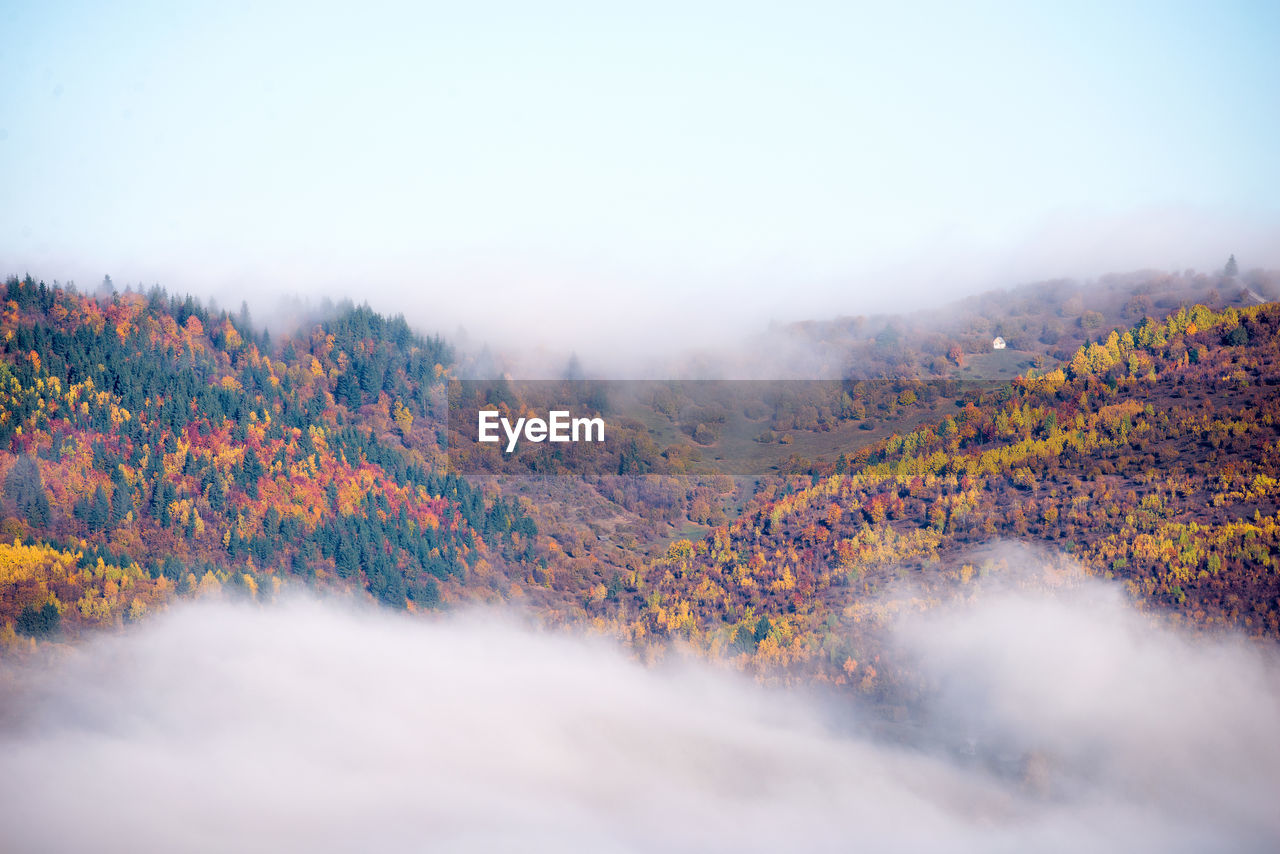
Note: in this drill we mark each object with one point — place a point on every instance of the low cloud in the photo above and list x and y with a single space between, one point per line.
1052 722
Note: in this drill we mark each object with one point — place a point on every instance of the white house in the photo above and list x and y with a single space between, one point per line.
997 343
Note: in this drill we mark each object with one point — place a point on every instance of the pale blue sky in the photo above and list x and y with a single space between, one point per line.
583 159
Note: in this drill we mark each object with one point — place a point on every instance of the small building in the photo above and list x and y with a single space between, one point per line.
997 343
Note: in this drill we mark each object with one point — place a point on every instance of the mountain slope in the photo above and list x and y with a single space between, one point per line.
151 446
1152 457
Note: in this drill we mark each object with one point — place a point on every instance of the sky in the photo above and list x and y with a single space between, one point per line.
633 171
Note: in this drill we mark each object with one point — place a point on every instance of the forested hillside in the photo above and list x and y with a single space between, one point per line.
1042 322
1152 456
152 447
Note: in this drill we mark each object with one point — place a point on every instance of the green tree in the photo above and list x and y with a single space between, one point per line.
25 487
763 627
39 622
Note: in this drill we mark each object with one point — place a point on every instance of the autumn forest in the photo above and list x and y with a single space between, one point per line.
158 450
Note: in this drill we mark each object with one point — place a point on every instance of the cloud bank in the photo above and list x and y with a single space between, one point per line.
1060 723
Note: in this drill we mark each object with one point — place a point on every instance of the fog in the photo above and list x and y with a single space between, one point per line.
633 316
652 304
1057 723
